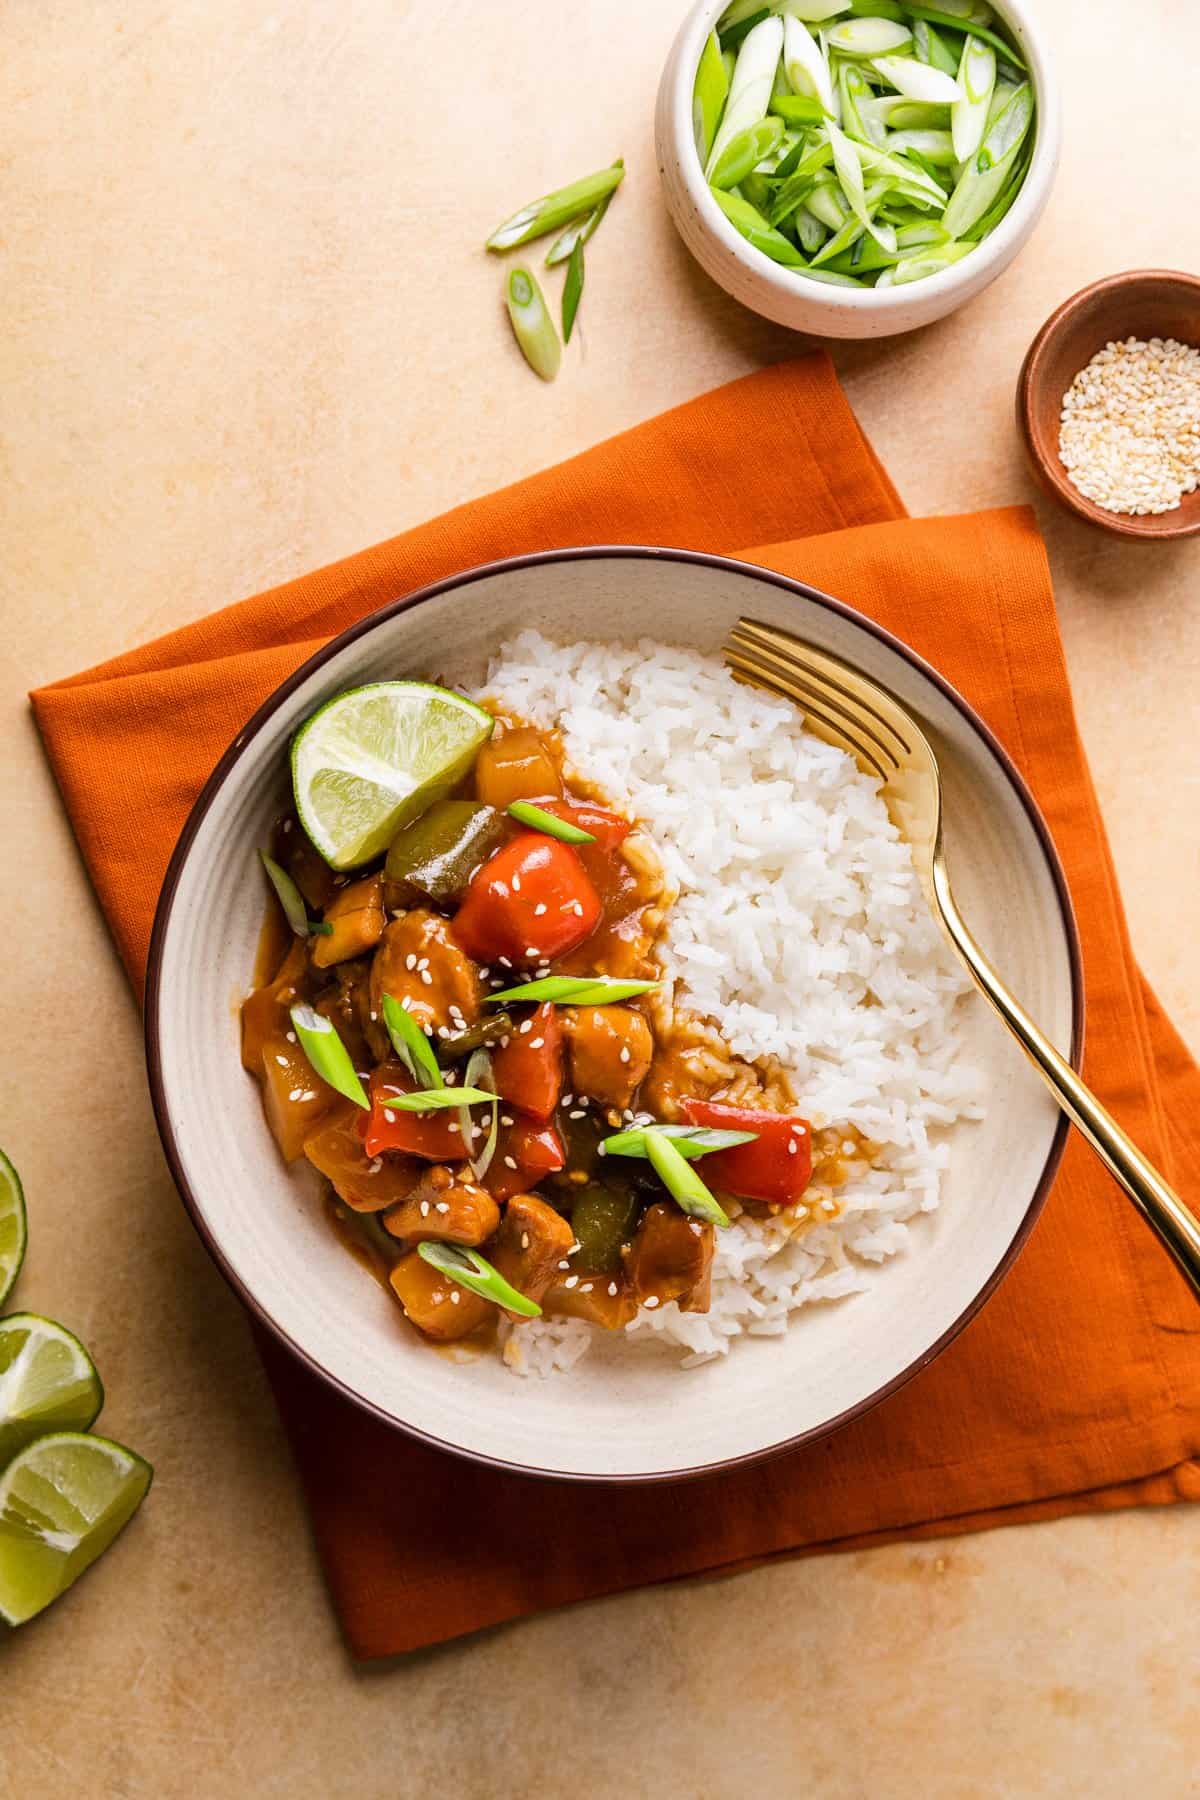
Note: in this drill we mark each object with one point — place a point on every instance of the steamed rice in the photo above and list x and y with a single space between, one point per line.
799 931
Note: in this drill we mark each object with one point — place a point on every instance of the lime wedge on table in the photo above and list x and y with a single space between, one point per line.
377 757
48 1382
63 1499
13 1230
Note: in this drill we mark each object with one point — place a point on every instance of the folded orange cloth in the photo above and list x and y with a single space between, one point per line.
1078 1386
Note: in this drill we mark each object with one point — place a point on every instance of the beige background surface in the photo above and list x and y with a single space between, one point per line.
247 329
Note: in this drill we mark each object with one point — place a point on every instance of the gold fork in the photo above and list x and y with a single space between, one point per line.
846 709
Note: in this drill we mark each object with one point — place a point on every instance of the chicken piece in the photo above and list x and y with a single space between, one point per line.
434 1303
444 1208
671 1259
600 1299
357 916
365 1183
531 1242
611 1048
419 962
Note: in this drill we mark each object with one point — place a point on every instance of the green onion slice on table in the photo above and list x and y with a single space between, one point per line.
572 291
681 1180
327 1054
475 1272
573 990
580 231
292 901
411 1044
691 1141
538 819
557 209
532 325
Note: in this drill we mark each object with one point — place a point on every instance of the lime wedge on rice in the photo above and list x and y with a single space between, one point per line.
374 759
48 1382
63 1499
13 1229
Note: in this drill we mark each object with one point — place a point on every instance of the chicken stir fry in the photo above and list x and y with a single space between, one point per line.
462 1039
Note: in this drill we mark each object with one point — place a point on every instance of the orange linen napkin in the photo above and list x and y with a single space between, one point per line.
1077 1388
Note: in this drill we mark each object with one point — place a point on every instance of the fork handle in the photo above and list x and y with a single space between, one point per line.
1177 1228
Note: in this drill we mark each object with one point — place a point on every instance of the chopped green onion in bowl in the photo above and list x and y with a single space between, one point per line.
839 125
476 1273
573 990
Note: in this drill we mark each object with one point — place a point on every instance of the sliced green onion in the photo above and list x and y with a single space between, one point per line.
933 147
327 1054
797 109
799 184
807 69
478 1073
929 48
751 86
691 1141
572 291
558 208
874 9
572 990
747 220
1006 132
526 813
733 36
436 1099
475 1273
292 901
411 1044
825 204
681 1180
709 96
855 94
972 29
581 231
815 12
977 79
532 325
809 230
833 277
918 80
999 208
745 151
789 162
868 37
928 262
896 113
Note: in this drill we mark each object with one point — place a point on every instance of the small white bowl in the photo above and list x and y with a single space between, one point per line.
624 1414
790 299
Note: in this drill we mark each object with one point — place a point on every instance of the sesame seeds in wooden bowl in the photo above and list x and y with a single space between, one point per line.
1133 416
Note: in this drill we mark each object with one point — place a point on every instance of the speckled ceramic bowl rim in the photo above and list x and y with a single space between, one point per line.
465 580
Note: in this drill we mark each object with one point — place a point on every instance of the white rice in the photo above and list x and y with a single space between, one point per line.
799 931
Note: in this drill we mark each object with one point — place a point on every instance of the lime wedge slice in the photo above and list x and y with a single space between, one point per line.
63 1499
378 757
13 1229
48 1382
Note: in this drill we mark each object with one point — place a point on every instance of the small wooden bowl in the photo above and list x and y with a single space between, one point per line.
1143 303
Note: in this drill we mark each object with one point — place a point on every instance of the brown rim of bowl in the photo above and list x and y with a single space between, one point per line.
589 553
1161 528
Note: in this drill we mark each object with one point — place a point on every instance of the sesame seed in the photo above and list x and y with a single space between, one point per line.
624 1053
651 1300
571 1281
454 1296
424 1209
426 977
564 1265
792 1147
1129 435
443 1206
531 949
410 961
539 909
287 825
282 1061
577 1113
374 1166
484 973
296 1094
506 1118
567 1099
291 1036
516 884
510 1162
612 1287
579 909
524 1240
586 1287
536 1043
504 962
453 1127
525 1025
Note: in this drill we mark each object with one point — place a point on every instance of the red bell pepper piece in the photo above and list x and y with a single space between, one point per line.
608 828
528 1070
531 901
525 1152
775 1167
437 1136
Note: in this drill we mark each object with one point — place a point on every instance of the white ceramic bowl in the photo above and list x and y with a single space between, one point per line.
811 306
621 1414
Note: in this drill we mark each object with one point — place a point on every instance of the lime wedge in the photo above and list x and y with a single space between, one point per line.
48 1382
63 1499
13 1229
374 759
